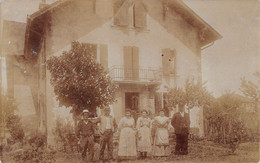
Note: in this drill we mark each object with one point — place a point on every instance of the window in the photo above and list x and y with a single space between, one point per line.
133 15
131 63
168 64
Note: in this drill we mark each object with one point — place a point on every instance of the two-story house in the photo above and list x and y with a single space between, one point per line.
141 43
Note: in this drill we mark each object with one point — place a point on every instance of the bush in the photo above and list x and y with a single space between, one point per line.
33 155
65 135
14 126
34 150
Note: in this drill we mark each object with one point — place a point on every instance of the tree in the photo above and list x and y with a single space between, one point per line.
193 94
251 90
79 81
225 120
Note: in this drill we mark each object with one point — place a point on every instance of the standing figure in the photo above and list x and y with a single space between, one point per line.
144 140
181 124
107 128
161 140
85 134
127 140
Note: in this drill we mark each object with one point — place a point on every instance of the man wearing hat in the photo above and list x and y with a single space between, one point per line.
181 124
107 128
85 133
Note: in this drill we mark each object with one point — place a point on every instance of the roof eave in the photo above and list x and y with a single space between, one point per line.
198 21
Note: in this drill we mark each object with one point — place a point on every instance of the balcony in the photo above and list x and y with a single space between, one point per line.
140 75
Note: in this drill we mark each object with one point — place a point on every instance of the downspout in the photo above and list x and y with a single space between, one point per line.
203 112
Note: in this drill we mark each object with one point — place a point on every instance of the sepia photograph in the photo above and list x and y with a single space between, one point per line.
131 81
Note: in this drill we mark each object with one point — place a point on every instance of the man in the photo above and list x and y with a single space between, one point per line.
85 133
181 124
107 128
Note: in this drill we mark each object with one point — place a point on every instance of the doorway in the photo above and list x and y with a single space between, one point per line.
132 101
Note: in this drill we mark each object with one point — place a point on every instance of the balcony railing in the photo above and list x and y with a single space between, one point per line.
141 74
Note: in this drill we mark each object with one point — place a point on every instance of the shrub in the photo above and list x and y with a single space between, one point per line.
65 135
14 126
34 150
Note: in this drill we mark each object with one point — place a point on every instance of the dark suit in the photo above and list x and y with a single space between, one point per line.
85 131
181 125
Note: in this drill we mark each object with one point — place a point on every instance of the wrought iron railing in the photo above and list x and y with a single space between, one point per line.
142 74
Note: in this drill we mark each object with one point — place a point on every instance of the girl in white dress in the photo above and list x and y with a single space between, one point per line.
144 141
161 140
127 140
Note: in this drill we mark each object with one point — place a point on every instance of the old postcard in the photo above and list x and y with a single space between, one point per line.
129 81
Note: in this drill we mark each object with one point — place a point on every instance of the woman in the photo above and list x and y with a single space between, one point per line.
161 140
127 143
144 142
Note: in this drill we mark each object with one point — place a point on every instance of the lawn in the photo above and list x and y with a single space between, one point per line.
202 151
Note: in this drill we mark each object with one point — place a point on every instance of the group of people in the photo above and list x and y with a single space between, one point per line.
146 137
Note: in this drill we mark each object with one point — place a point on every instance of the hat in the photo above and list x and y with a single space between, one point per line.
84 111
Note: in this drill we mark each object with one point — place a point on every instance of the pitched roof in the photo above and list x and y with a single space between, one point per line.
207 33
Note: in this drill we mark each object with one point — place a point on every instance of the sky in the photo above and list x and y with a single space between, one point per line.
234 56
237 54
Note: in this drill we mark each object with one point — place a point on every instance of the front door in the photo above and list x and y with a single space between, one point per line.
132 101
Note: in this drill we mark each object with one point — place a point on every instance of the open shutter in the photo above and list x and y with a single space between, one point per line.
166 64
172 62
135 63
128 60
92 49
104 56
139 15
120 13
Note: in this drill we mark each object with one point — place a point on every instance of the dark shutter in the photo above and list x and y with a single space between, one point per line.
135 63
104 56
139 15
166 64
120 13
128 63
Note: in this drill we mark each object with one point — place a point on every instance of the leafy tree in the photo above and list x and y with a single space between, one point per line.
224 119
193 94
79 81
251 90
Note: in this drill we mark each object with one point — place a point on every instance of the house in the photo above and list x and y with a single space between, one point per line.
143 44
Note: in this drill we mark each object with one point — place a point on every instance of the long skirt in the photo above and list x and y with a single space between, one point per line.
127 143
161 142
144 142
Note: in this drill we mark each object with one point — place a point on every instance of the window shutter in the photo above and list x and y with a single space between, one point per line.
166 64
104 56
120 13
139 15
166 61
128 63
92 49
135 63
172 62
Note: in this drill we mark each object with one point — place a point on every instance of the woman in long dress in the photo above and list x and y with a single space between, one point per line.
144 141
161 140
127 140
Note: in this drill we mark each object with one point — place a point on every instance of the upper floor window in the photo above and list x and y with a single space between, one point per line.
130 15
168 61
